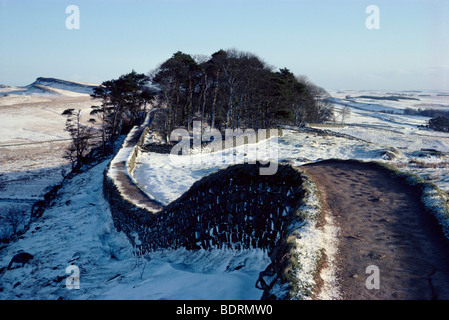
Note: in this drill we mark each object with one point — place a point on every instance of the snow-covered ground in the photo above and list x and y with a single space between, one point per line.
32 137
404 132
33 142
166 176
78 228
49 87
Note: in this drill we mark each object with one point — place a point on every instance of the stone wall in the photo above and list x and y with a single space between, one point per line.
233 208
118 180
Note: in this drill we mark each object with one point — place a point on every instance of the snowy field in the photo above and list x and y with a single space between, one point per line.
78 228
32 136
403 132
33 141
166 176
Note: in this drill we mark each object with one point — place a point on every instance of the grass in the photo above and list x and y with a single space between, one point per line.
298 259
428 165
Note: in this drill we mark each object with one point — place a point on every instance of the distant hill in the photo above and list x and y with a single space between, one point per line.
49 87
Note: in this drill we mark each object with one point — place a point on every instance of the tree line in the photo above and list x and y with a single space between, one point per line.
229 89
431 113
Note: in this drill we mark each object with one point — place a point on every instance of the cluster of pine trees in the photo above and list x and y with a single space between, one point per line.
234 89
123 104
228 90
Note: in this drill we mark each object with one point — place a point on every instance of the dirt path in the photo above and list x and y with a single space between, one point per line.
382 223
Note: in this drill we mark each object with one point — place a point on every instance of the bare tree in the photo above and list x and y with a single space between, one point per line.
16 220
345 113
81 135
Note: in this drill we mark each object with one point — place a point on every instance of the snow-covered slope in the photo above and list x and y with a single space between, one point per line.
78 230
49 87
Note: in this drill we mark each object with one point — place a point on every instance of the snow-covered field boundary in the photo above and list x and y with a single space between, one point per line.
118 172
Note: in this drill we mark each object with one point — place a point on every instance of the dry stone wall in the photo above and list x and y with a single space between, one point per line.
233 208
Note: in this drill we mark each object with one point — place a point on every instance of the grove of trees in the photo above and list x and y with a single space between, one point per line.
228 90
432 113
123 104
234 89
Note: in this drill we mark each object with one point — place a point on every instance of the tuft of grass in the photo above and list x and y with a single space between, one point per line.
428 165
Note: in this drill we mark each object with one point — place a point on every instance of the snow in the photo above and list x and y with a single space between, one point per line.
78 228
38 120
311 242
166 177
48 87
32 146
403 132
396 139
435 203
330 288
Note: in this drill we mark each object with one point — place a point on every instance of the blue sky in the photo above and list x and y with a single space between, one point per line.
324 40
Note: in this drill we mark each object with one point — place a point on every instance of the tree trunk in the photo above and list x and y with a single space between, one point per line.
229 109
204 101
189 105
214 102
